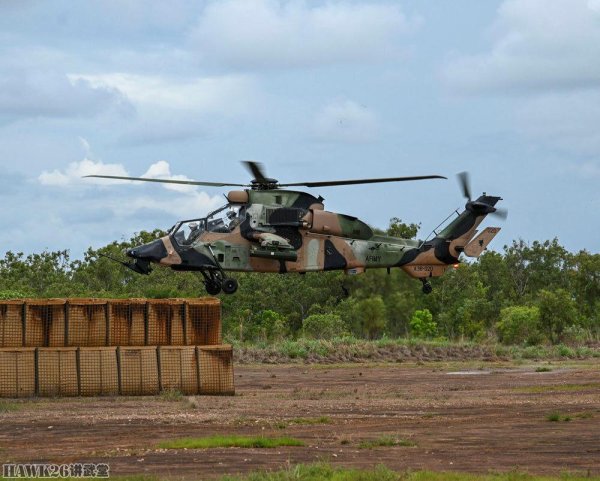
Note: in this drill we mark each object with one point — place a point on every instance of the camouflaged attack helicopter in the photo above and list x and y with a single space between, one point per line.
265 228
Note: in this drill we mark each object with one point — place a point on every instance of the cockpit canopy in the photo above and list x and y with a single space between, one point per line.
223 220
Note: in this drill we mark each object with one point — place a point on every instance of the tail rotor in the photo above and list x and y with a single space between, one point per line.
484 205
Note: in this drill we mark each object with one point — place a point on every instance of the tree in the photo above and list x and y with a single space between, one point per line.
402 230
422 324
557 312
372 316
519 325
323 326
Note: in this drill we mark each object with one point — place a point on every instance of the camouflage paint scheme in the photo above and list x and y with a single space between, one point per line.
285 231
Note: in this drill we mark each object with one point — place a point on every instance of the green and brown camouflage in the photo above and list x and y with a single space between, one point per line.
286 231
265 228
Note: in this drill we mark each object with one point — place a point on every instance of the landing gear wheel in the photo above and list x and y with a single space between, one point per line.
427 289
230 286
212 287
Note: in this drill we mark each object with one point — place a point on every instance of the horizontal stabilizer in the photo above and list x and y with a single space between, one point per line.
476 247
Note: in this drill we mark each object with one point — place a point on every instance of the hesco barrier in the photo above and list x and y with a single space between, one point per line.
11 323
57 373
17 372
110 322
129 370
94 347
98 371
44 323
201 330
166 321
215 366
178 369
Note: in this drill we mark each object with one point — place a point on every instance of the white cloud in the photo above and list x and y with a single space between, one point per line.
176 108
33 93
226 95
290 33
162 170
537 45
139 202
75 172
345 121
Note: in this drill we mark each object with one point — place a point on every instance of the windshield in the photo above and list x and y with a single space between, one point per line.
224 219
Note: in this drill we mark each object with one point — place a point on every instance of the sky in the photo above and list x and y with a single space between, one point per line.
508 90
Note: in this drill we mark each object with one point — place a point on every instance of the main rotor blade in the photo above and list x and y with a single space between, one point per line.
362 181
168 181
465 184
256 169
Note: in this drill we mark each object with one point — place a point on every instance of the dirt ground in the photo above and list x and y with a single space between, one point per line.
473 417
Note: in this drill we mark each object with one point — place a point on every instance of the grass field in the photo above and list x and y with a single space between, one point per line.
230 442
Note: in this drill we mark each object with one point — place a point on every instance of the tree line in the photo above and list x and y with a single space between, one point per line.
529 293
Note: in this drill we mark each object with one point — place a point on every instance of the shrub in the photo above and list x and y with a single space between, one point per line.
323 326
519 325
557 312
267 325
4 295
372 315
422 324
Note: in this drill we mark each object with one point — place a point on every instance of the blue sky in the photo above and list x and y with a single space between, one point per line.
508 90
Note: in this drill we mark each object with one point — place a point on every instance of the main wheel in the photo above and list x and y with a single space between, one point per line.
212 287
230 286
427 289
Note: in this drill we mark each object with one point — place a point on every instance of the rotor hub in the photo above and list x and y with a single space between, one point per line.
265 183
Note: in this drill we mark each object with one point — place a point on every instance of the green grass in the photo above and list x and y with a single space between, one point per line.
311 421
229 442
325 472
9 406
556 417
320 472
171 395
543 369
557 388
350 349
386 442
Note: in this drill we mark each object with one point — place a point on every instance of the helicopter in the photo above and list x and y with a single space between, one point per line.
264 227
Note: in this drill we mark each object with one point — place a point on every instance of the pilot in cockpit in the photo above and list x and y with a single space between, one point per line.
234 219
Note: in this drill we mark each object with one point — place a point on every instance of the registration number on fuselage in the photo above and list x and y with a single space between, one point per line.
423 268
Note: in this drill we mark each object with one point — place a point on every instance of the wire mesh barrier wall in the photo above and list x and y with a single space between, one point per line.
201 330
107 371
17 372
138 368
178 369
57 373
98 371
127 319
87 322
215 365
45 323
11 323
108 322
166 321
94 347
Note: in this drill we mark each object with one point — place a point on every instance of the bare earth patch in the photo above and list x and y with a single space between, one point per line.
458 422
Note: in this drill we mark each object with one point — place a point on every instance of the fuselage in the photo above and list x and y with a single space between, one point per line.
285 231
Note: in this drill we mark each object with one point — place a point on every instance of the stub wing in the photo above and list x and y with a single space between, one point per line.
476 247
